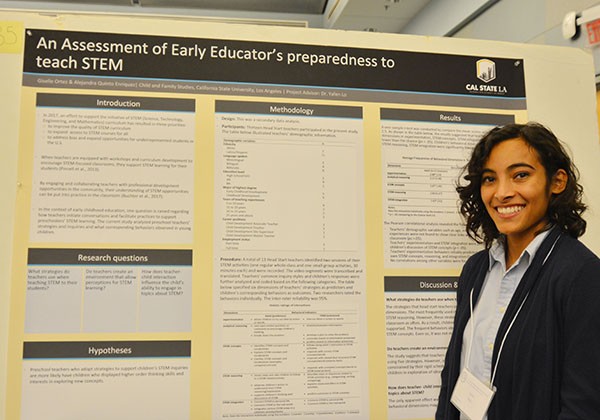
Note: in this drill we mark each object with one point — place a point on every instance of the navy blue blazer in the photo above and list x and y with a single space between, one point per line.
549 367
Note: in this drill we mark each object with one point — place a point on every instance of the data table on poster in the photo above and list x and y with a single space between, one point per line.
264 203
420 185
274 353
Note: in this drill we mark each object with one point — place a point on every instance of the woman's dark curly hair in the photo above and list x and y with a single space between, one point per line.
564 209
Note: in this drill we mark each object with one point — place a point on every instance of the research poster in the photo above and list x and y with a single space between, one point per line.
209 228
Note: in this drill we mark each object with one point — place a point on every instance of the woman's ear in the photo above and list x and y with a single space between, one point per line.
559 181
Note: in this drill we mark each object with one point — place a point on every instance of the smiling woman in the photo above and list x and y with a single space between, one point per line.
525 304
545 152
516 192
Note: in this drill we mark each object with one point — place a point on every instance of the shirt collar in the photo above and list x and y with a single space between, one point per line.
497 252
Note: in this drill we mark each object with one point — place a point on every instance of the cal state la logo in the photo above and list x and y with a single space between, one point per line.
486 70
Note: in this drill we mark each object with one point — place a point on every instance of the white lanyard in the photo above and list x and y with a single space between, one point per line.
470 395
468 355
503 338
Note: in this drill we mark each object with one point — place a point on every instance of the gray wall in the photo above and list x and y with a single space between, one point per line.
529 21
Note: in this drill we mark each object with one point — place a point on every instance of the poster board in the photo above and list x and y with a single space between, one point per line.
225 176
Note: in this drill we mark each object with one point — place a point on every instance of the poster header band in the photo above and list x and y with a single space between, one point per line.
50 52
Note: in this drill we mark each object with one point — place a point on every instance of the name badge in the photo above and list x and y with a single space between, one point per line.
471 396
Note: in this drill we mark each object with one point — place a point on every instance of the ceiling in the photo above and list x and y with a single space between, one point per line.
273 6
363 15
378 15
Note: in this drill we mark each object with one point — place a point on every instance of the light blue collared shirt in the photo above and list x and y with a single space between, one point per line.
498 289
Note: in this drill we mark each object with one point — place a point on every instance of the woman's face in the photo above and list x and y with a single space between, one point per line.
515 190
